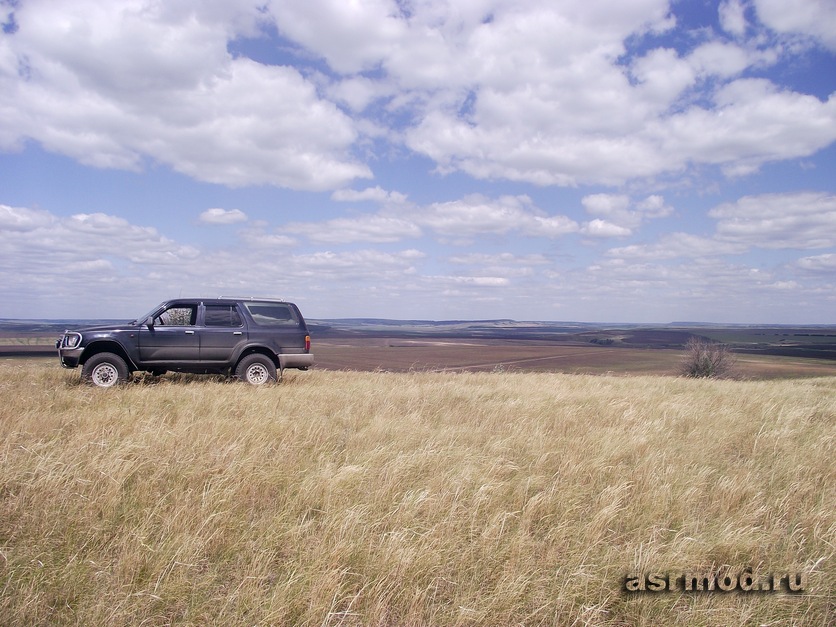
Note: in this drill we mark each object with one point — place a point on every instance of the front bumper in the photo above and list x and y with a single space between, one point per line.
69 358
69 349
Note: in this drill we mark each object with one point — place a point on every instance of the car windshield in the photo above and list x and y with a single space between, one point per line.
142 319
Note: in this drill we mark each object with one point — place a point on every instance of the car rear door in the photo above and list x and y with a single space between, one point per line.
221 331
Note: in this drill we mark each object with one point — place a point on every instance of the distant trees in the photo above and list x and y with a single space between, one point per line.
705 359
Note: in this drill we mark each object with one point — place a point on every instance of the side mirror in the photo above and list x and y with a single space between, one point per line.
149 322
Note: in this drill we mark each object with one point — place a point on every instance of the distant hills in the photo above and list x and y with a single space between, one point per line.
808 341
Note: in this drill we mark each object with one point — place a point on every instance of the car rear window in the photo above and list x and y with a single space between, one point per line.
272 314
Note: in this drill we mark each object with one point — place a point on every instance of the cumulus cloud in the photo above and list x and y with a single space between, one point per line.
733 17
374 194
356 265
544 92
223 216
791 220
116 84
368 228
571 115
676 245
618 215
604 98
22 218
602 228
470 216
814 18
479 215
819 263
79 259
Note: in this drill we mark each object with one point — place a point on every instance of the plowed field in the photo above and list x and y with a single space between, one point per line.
401 355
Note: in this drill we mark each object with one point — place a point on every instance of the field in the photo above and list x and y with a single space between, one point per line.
415 498
399 354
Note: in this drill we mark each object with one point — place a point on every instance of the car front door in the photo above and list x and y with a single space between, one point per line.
171 338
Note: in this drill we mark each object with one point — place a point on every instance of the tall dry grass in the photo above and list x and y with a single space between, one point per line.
411 499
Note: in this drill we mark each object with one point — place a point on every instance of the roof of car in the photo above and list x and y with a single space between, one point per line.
221 301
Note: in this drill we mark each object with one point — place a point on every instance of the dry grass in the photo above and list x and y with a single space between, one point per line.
410 499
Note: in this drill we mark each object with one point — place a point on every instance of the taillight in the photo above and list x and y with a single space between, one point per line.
307 343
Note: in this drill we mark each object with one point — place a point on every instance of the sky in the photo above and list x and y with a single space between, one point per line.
569 160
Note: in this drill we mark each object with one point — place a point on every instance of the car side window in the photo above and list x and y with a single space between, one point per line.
272 314
177 316
222 316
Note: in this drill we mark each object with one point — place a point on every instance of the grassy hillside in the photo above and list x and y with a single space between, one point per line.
342 498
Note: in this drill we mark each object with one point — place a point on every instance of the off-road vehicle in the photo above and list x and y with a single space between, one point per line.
252 339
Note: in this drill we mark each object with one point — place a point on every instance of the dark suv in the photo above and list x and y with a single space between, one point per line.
250 338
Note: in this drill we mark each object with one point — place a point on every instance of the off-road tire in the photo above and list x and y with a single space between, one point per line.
105 370
256 369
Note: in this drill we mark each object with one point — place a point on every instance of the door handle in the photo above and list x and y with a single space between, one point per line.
189 332
236 333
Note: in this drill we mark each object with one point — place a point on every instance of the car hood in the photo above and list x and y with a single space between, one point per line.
105 327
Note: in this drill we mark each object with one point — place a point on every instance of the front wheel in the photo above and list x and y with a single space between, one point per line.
105 370
256 369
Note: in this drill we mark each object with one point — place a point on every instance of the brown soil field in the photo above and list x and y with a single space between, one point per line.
404 354
401 355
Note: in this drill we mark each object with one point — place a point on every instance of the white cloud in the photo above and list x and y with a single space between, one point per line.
654 206
471 216
114 84
565 113
479 215
675 245
367 228
813 18
606 204
374 194
721 59
499 259
474 281
352 36
223 216
540 92
77 262
335 268
733 17
602 228
588 94
753 123
256 237
697 289
86 257
506 264
358 92
819 263
663 75
618 215
22 219
790 220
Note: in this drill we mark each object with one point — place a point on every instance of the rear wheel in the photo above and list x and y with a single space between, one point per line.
256 369
105 370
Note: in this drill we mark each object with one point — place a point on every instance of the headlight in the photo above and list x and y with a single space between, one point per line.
71 340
